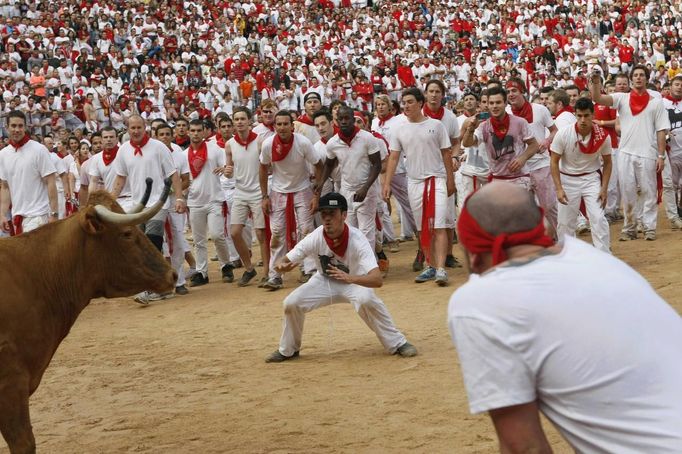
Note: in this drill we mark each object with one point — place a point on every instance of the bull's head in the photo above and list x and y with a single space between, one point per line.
128 260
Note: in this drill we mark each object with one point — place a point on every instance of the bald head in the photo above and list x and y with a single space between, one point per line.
503 208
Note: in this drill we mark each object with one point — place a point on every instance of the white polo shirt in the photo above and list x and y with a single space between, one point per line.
422 144
24 170
60 167
106 174
290 174
573 161
638 132
205 188
353 160
246 162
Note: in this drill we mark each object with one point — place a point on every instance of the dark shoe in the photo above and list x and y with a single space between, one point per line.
451 262
277 357
181 290
406 350
228 273
418 263
237 263
197 280
246 278
273 284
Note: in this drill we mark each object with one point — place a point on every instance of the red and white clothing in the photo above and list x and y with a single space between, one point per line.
474 170
247 197
581 179
564 119
175 239
672 173
61 166
105 174
449 120
263 131
307 130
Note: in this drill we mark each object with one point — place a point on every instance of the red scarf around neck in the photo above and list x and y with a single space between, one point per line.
349 139
526 111
500 127
428 216
437 115
305 119
382 121
197 158
21 142
670 97
245 143
339 245
271 126
139 146
597 138
568 109
281 149
219 140
108 156
638 102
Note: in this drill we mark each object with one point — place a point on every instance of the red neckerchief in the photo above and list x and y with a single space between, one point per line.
638 102
597 138
670 98
428 215
339 245
21 142
219 140
324 140
108 156
437 115
476 240
281 149
245 143
138 146
348 139
500 127
565 109
383 121
379 136
197 158
182 141
305 119
271 126
526 111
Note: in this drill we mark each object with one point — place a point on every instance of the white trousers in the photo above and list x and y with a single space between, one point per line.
209 220
304 224
322 291
543 186
587 188
33 222
637 172
672 182
362 215
408 226
177 244
247 231
613 199
466 185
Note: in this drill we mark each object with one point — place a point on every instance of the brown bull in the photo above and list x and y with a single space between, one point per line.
48 277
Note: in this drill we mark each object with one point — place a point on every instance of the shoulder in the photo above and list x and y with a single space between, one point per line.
267 143
541 110
302 140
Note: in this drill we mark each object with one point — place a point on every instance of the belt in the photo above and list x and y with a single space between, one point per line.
506 177
579 174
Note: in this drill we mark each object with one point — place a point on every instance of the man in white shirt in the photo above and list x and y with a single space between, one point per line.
577 154
474 170
672 173
102 172
27 180
347 272
549 348
558 104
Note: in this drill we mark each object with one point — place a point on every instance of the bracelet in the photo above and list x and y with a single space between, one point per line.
661 156
180 200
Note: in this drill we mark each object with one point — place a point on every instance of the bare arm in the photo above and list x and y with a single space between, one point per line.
519 430
372 279
180 203
391 165
263 180
446 153
597 96
556 177
660 141
468 129
329 165
118 186
605 177
229 164
52 192
548 141
5 201
374 171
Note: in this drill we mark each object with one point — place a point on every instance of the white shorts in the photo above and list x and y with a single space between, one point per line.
241 209
444 214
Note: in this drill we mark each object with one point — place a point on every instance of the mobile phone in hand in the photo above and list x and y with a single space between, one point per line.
482 116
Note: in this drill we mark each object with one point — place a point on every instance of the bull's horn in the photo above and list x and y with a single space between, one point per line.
109 216
145 198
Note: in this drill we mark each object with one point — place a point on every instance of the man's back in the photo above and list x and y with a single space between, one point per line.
586 336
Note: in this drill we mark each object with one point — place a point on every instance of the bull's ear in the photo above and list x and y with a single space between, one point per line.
90 222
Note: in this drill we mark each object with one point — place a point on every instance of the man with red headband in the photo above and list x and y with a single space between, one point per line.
347 273
542 127
578 151
27 177
530 340
644 126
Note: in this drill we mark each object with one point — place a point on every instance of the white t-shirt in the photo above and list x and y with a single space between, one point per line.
476 163
246 162
24 171
359 257
309 131
290 174
422 144
598 349
60 168
573 161
451 124
675 118
106 174
542 121
263 131
155 163
205 188
353 161
386 130
638 133
564 119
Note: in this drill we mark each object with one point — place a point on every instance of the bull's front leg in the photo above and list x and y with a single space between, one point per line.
15 421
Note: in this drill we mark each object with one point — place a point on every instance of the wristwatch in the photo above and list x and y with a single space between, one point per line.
54 214
661 156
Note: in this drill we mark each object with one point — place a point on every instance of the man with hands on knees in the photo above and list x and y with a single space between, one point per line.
347 271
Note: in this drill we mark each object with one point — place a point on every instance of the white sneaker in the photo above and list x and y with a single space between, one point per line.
142 298
441 277
676 224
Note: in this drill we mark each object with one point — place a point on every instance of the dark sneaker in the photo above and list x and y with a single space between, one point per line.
625 236
246 277
451 262
198 279
418 263
277 357
273 284
181 290
428 274
406 350
228 273
237 263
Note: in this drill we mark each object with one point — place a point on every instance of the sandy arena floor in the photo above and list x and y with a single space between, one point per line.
187 375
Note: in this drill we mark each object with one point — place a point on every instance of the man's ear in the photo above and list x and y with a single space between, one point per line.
89 221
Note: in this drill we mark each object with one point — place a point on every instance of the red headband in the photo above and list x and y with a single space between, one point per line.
361 116
515 84
476 240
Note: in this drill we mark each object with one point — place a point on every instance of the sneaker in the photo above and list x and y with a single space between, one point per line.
441 277
305 277
198 279
625 236
583 229
640 227
650 235
451 262
214 258
181 290
237 263
418 263
611 218
428 274
142 298
394 246
246 277
262 282
151 296
277 357
406 238
676 224
407 350
190 272
228 273
273 284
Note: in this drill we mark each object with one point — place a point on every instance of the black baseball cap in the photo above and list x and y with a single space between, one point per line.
333 200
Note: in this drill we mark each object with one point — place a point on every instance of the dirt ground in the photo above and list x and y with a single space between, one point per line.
187 374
